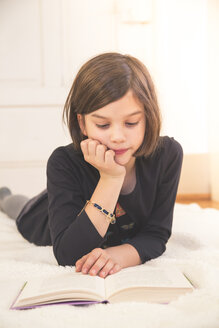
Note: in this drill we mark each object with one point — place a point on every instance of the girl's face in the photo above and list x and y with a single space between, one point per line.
119 125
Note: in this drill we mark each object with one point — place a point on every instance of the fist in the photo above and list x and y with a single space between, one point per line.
101 158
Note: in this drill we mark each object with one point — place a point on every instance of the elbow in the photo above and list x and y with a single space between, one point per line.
64 257
154 250
160 249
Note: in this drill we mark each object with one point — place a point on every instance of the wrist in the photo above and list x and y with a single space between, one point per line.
112 178
125 255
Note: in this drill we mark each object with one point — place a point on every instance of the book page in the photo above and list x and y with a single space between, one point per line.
56 284
145 277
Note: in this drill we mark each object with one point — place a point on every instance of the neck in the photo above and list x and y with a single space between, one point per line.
130 166
130 178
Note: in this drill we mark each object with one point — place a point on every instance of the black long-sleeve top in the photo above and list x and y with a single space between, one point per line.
144 217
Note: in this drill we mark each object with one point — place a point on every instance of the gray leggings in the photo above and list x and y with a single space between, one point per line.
13 204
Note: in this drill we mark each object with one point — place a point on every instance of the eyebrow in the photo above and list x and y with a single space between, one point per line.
104 117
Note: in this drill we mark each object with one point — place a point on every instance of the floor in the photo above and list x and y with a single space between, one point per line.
202 203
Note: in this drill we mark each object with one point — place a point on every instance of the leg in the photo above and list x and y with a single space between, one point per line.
11 204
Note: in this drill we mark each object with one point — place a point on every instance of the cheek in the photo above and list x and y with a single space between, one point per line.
142 128
97 135
140 134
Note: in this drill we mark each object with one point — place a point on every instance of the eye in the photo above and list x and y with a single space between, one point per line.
105 126
102 126
132 124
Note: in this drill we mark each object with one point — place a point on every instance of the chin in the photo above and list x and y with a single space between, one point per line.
122 161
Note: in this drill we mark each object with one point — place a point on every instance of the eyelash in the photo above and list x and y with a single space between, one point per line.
104 126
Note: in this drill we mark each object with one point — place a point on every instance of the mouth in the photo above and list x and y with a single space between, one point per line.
120 151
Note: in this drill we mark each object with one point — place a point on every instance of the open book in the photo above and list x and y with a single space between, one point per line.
145 284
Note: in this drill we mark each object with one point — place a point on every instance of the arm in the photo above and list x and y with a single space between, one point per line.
150 241
75 232
110 188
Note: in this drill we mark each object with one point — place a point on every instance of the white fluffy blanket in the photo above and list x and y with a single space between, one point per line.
193 247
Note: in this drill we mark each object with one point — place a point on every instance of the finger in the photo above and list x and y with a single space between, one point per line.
109 157
116 268
92 144
99 264
80 262
91 259
84 148
100 153
84 145
106 269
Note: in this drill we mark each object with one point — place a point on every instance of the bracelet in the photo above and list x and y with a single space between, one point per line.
110 217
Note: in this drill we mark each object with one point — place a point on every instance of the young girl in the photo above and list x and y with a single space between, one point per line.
111 192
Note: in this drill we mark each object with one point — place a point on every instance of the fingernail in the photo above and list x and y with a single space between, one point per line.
93 271
84 270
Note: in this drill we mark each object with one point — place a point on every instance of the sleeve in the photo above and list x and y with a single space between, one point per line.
72 233
150 241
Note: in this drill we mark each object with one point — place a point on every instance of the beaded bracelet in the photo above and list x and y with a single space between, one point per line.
110 217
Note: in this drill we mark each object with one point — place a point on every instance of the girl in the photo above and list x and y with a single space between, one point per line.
111 192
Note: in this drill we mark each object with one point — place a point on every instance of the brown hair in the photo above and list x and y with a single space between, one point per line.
105 79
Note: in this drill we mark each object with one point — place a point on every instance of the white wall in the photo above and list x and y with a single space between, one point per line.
44 42
42 45
181 70
213 99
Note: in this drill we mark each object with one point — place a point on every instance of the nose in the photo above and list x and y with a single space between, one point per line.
117 135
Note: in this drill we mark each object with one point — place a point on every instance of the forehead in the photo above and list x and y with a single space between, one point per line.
126 106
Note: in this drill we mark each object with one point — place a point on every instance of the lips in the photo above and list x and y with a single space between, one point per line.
120 151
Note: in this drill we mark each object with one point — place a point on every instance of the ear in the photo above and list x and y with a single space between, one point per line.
81 122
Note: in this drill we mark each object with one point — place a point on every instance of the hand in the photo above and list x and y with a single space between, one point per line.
98 261
102 159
